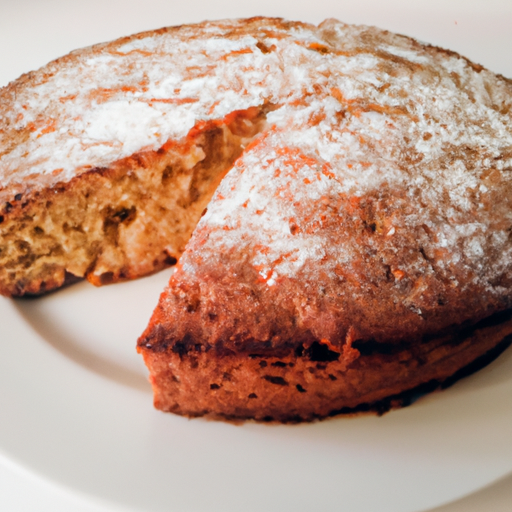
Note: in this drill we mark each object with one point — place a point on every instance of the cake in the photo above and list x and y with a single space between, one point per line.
109 155
337 199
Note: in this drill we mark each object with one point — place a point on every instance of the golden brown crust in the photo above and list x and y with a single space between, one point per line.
314 384
35 105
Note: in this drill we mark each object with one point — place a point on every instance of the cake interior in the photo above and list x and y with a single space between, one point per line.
121 222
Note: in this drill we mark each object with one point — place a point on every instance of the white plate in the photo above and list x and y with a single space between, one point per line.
75 407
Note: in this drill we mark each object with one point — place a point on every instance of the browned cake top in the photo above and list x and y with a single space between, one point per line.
376 204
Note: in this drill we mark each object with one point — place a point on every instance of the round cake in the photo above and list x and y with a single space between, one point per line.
338 199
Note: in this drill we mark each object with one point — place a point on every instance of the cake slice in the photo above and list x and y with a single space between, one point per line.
358 251
109 155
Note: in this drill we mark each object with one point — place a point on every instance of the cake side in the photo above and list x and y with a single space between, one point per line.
314 384
109 155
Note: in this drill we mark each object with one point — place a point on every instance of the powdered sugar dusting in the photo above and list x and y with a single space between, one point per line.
359 111
272 217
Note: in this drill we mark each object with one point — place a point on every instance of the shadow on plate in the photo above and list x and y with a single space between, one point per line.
34 313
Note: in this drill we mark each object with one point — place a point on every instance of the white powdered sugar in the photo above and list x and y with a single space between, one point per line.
362 109
128 124
244 209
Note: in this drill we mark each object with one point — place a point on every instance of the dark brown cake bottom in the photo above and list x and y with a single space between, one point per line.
316 383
